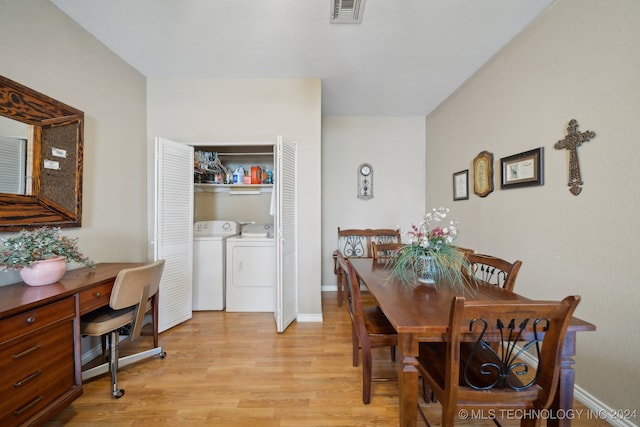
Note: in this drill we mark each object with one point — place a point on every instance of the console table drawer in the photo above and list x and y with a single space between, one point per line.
36 371
33 320
94 298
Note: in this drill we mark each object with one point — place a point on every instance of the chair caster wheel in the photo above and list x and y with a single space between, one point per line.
118 393
163 355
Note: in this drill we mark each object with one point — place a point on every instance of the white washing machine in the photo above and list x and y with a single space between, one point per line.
209 241
251 269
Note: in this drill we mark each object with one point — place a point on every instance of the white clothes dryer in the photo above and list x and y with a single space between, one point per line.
209 241
251 270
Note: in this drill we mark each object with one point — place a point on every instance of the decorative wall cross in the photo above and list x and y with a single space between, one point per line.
571 142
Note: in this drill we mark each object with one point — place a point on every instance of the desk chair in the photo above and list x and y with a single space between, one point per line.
369 328
130 301
476 377
356 243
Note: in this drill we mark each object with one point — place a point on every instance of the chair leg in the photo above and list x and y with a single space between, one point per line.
366 375
113 363
355 343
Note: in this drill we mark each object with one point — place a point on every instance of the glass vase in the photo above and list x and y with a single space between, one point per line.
426 269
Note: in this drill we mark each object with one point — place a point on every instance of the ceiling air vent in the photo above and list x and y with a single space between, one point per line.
347 11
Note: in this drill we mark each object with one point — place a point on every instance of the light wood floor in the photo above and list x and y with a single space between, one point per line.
233 369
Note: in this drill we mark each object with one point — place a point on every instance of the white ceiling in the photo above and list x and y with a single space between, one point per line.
405 58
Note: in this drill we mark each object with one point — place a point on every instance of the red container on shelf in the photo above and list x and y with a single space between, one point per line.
256 175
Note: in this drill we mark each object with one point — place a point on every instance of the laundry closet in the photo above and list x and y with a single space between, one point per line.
243 224
234 189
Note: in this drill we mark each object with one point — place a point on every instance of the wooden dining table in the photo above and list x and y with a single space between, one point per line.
420 313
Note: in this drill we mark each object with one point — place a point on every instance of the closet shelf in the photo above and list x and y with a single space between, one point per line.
234 188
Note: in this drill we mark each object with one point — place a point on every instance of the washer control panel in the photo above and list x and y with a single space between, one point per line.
215 228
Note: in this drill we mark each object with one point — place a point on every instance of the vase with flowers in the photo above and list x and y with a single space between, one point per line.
41 255
430 253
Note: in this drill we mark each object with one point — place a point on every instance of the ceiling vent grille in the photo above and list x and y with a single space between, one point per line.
347 11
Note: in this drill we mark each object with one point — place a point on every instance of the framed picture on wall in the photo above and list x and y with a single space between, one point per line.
461 185
483 174
523 170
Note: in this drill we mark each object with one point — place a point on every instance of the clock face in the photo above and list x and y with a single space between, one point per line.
365 170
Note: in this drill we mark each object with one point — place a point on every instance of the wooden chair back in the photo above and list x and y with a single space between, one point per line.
353 298
386 251
369 327
465 250
492 270
356 243
476 376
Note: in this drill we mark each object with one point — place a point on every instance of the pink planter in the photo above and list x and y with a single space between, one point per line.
44 272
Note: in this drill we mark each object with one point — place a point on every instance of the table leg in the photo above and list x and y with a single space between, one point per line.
408 380
563 401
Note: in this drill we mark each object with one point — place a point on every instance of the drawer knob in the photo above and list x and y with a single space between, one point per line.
31 320
98 294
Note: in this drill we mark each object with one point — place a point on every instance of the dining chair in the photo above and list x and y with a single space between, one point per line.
130 300
492 270
370 328
464 250
484 381
384 251
356 243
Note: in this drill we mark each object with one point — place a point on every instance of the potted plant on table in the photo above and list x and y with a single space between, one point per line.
40 255
430 253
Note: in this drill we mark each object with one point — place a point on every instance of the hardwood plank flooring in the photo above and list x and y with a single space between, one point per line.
233 369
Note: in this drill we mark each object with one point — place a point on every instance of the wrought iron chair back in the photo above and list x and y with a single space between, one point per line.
356 243
469 371
493 270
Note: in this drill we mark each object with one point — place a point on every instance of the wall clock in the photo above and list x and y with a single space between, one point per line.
365 181
483 174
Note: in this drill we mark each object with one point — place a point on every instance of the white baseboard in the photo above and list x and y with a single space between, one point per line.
309 318
597 408
91 354
329 288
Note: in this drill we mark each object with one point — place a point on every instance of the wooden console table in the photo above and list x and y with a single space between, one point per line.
40 351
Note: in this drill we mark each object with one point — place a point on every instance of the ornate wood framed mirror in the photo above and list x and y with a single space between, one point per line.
47 167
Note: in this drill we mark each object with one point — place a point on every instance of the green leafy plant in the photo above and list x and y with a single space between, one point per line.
429 239
30 246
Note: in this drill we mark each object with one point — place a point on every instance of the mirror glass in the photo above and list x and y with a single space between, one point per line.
16 153
41 141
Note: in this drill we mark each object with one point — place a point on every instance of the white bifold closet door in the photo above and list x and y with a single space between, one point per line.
173 230
287 238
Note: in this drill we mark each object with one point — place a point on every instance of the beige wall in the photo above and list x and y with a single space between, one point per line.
207 110
394 146
42 48
579 60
